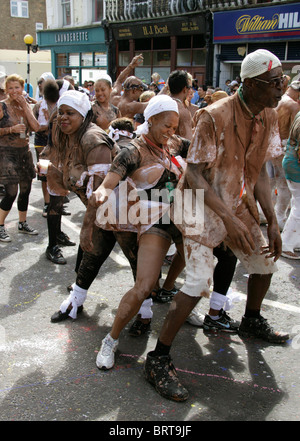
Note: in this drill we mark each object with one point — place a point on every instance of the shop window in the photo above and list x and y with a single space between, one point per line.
87 59
199 57
19 9
74 59
184 42
61 59
143 44
161 43
100 59
146 56
97 10
162 58
123 45
124 58
184 58
293 50
66 12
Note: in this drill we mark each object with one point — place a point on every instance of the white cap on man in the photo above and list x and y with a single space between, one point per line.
258 62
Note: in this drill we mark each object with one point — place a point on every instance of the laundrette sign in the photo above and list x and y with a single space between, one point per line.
281 22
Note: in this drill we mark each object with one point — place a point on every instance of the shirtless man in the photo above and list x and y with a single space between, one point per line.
286 110
128 103
179 86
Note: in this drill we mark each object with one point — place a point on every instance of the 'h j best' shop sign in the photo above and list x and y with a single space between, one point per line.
278 22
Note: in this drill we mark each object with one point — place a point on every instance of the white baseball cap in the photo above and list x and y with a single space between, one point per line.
257 63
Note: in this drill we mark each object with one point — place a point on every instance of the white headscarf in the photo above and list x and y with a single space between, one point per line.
77 100
64 87
257 63
105 77
47 76
157 104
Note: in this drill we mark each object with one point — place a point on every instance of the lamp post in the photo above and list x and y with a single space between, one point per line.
28 40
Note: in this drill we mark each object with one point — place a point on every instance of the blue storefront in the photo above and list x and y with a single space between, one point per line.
80 52
239 32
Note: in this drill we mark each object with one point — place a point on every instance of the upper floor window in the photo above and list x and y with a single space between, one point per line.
97 10
19 9
66 12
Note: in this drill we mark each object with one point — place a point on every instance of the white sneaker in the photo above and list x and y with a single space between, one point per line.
196 318
106 355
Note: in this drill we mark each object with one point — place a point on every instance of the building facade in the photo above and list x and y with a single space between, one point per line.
17 19
274 26
76 38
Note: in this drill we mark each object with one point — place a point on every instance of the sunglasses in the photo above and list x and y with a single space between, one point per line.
275 82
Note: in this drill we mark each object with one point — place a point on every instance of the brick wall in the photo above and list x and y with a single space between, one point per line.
13 29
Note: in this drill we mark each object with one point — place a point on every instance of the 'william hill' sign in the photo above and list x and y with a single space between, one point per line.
278 22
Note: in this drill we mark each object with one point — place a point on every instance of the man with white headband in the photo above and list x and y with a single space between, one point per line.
233 140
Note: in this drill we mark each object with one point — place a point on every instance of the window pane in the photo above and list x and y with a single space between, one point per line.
124 59
184 58
97 10
144 73
24 9
100 59
61 60
199 58
162 58
146 56
87 59
14 9
74 60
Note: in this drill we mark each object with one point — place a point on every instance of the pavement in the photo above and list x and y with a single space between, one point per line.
48 371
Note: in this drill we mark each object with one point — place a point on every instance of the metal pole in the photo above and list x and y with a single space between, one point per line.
28 67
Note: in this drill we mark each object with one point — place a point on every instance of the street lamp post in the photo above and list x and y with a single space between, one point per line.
28 40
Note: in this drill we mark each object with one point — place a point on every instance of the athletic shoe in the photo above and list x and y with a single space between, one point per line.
61 316
223 323
55 255
106 356
64 240
24 228
4 237
196 318
260 328
161 373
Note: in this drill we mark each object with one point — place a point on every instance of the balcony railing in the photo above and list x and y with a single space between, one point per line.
127 10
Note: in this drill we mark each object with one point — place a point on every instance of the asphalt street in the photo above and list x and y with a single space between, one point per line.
48 371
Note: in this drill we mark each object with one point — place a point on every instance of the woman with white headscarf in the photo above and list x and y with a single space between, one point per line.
147 165
83 156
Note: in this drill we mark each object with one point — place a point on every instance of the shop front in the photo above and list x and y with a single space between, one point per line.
165 45
77 52
237 33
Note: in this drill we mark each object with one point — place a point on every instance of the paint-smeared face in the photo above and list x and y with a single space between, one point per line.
14 89
69 120
102 91
268 88
164 125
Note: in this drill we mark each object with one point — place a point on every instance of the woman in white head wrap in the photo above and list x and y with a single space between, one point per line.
104 111
84 155
146 163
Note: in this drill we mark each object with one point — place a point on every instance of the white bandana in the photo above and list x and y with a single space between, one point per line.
77 100
157 104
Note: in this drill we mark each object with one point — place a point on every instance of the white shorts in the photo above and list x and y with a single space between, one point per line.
199 261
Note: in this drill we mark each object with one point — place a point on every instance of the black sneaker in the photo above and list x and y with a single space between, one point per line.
4 237
165 296
161 373
61 316
24 228
223 323
260 328
63 239
55 255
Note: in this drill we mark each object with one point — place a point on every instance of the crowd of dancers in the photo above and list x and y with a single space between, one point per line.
109 141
